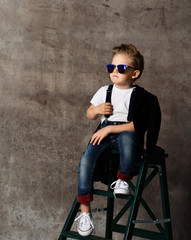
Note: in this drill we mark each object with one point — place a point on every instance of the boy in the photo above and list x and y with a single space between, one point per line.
124 121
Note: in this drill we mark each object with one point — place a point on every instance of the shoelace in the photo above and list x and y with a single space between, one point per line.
86 218
117 184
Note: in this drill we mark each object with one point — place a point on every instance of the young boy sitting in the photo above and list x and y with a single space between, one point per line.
124 121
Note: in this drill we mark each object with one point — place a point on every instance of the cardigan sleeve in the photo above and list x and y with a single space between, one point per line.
154 122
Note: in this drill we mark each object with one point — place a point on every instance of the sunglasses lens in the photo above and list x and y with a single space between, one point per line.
121 68
110 68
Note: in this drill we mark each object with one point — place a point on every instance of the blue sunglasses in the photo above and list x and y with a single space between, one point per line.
121 68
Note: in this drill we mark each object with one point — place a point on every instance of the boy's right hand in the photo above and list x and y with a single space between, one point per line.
104 109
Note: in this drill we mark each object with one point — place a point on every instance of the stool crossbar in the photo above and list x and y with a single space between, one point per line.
155 162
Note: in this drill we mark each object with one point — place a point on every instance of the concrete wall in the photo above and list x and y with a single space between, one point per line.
52 58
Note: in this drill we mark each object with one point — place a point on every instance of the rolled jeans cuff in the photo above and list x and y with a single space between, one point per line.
124 177
83 199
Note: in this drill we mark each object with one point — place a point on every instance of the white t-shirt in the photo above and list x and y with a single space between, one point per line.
120 99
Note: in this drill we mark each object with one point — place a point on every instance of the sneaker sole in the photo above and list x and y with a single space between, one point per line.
122 191
86 233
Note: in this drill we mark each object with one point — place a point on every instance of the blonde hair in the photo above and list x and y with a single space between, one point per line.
137 58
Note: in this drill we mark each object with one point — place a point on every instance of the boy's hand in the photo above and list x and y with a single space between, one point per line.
100 135
104 109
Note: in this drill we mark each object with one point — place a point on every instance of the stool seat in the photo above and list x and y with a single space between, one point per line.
154 161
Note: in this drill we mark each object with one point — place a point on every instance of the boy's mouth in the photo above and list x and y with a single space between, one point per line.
115 76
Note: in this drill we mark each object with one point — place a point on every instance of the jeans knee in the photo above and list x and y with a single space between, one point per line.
127 138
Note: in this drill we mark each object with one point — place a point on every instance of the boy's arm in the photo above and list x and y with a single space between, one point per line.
114 129
94 111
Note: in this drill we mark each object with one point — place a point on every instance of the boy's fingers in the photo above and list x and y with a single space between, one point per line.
108 109
108 105
93 139
96 139
99 141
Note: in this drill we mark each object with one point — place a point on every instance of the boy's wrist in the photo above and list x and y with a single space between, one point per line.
96 111
109 129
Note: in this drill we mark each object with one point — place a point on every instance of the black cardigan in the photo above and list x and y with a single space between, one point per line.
144 111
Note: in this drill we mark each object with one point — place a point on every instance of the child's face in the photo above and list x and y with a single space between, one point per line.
123 80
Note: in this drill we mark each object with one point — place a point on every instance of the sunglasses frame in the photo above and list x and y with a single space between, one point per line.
114 66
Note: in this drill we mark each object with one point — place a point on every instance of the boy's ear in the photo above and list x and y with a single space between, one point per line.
136 74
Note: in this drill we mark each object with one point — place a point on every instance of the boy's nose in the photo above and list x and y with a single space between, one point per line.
115 70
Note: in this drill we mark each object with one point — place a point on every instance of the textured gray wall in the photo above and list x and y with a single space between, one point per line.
52 57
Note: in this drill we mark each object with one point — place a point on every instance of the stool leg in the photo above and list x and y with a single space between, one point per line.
165 200
110 201
109 217
70 219
136 201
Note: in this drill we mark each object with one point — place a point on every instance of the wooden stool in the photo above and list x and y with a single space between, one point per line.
155 162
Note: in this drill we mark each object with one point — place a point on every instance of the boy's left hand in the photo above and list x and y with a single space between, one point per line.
100 135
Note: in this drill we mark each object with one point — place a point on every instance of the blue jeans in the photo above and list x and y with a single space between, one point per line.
127 144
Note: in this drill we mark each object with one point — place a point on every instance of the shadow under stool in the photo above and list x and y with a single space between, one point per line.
148 165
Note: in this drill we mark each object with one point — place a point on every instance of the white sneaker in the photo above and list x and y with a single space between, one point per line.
85 225
120 187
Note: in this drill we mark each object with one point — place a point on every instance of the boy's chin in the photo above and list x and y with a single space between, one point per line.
115 81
